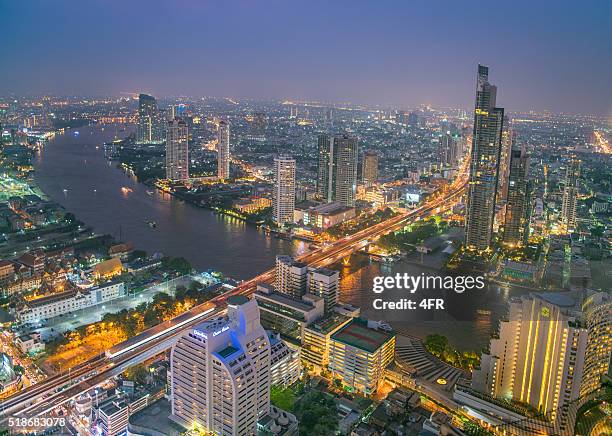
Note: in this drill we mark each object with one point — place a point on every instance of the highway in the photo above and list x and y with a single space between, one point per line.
43 397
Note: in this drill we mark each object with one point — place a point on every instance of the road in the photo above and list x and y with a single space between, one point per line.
90 374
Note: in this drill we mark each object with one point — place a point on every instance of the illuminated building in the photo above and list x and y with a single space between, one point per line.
516 220
10 381
285 314
484 165
359 354
598 315
285 365
538 357
223 150
108 268
284 190
327 215
252 204
337 169
570 194
345 154
150 129
324 283
291 276
370 168
220 373
316 343
505 161
177 150
448 150
325 168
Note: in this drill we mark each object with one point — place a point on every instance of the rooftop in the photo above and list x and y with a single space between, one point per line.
237 300
227 351
357 334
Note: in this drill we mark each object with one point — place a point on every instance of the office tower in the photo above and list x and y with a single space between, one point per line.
484 165
150 129
324 283
359 355
293 111
570 194
413 119
223 150
220 372
284 190
508 139
516 219
177 150
291 276
597 310
538 356
447 151
46 110
345 157
325 168
370 168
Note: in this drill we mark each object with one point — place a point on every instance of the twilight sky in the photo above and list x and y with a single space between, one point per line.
543 54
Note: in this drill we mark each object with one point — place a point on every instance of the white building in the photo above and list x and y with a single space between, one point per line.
68 301
285 365
177 150
291 276
220 372
284 190
598 316
223 151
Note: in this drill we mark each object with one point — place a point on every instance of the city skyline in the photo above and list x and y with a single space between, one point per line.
404 65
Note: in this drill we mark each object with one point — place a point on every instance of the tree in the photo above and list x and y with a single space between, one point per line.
317 414
283 398
436 344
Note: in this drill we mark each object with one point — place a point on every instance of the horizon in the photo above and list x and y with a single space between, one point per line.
403 55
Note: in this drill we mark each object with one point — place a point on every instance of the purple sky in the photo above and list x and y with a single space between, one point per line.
542 54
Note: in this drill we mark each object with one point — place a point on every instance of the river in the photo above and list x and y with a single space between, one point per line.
73 171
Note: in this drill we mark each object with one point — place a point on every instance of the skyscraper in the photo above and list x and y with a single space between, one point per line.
325 168
515 223
150 129
370 168
447 152
284 190
177 150
598 315
484 165
345 157
570 194
508 139
538 356
220 372
223 151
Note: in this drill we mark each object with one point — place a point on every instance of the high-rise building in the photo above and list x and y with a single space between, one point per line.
325 168
284 190
538 357
570 194
597 309
223 150
345 157
516 219
259 126
150 128
177 150
447 152
220 373
484 165
370 168
291 277
324 283
508 139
